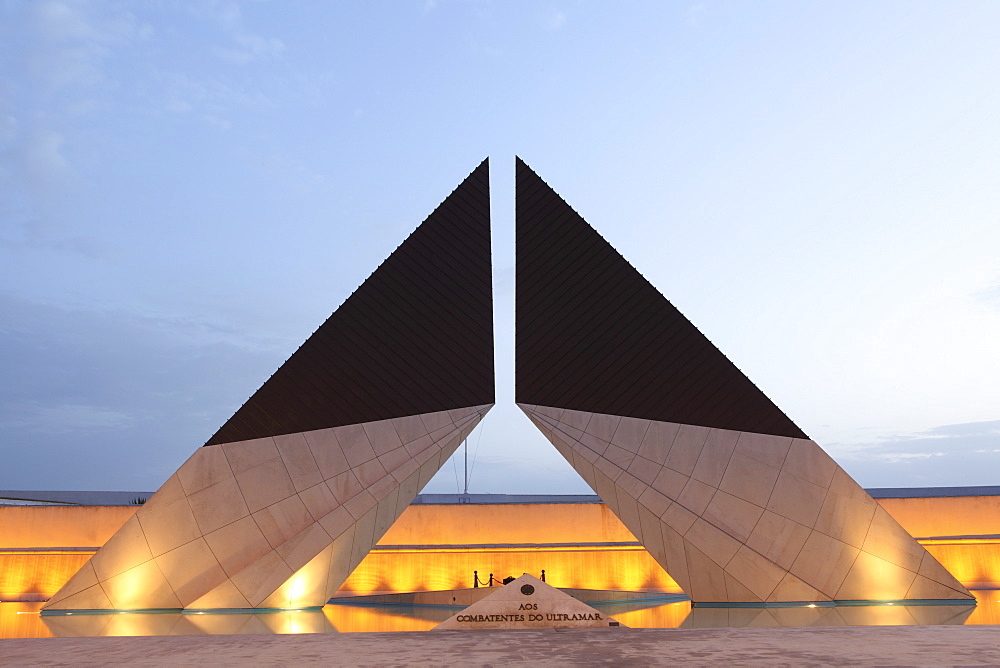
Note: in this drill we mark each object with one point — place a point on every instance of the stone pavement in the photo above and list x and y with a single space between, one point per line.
896 645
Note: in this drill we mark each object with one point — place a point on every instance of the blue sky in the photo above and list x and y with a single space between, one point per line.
187 189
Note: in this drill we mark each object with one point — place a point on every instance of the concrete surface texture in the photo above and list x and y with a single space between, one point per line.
963 645
745 517
270 523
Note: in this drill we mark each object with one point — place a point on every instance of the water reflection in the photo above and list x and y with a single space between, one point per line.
365 618
21 620
682 615
897 615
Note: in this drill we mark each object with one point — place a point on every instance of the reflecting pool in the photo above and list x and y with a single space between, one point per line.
22 620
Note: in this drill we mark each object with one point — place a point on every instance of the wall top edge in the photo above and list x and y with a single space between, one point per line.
69 498
932 492
97 498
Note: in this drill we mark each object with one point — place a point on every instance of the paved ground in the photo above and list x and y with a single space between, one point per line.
897 645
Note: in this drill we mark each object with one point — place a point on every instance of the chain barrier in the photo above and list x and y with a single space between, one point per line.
476 582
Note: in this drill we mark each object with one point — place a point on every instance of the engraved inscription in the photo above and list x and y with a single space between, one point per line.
546 617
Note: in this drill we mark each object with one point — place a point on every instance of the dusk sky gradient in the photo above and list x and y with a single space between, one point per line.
188 189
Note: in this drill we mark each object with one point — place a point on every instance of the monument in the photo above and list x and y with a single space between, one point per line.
729 496
527 603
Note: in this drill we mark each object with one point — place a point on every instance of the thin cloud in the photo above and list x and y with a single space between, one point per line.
893 457
69 45
964 453
210 100
117 398
990 296
39 235
695 14
289 172
60 52
940 441
8 128
64 418
72 47
245 46
40 155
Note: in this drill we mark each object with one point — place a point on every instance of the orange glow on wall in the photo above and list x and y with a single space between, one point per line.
620 568
928 517
504 524
976 563
437 547
60 526
37 575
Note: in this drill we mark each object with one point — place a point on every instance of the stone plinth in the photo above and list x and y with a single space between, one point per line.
527 603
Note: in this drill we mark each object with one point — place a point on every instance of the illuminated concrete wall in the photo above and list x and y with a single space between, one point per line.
41 547
33 527
941 516
962 532
31 568
626 568
438 547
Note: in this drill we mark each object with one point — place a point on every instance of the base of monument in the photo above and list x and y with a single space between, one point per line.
175 611
833 604
461 598
106 611
528 603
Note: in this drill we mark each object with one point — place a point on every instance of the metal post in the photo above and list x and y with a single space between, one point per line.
475 579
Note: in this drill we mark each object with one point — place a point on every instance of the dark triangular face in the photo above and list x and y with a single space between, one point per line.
593 335
416 337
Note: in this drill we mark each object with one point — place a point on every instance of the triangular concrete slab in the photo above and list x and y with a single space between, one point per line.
748 532
288 497
724 490
527 603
